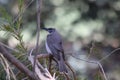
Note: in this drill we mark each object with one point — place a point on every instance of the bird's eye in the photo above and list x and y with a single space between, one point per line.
60 42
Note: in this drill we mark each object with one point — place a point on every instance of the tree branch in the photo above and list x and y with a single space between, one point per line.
71 70
43 56
94 62
38 5
17 63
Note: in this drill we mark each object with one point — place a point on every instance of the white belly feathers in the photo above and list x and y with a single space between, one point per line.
47 48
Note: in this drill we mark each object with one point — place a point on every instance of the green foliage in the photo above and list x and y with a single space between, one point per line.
4 14
14 28
20 5
98 77
2 72
2 75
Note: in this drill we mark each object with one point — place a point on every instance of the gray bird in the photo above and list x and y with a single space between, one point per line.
54 47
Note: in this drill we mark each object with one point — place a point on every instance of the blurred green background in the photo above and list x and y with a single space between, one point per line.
90 30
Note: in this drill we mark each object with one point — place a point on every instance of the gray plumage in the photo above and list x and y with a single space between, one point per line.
54 47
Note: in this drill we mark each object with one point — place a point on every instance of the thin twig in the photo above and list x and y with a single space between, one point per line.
5 66
17 63
25 78
71 70
43 55
41 72
109 55
38 7
91 49
67 77
23 11
9 47
94 62
102 70
84 60
38 3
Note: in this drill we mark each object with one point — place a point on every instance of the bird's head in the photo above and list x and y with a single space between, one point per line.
50 30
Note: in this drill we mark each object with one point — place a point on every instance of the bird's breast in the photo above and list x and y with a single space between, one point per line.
47 48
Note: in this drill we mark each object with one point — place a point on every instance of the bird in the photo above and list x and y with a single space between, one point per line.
54 47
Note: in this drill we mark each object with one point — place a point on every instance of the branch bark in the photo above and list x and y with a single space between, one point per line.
17 63
38 5
43 56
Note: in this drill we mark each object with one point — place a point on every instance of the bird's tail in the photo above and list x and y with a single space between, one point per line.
62 66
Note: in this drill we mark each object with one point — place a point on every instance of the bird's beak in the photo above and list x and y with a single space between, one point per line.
44 28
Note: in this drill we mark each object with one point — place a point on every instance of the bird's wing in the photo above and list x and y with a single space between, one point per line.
55 44
54 40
